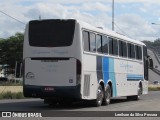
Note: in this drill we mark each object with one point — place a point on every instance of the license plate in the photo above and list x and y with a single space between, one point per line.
48 89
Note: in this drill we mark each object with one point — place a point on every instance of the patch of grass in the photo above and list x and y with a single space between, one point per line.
10 95
11 84
154 88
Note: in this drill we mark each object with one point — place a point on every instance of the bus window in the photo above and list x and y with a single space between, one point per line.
92 42
49 33
138 50
86 40
132 51
99 43
129 50
105 43
124 44
115 47
120 48
110 46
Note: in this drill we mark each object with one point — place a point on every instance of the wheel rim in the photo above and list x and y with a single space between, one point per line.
108 95
139 91
99 95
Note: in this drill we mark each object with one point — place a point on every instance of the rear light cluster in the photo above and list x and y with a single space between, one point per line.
78 71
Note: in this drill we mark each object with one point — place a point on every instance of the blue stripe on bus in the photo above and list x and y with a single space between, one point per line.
112 76
106 69
134 77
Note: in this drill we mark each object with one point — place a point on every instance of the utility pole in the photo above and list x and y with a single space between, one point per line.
113 15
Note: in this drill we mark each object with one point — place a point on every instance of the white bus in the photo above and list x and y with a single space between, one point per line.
72 60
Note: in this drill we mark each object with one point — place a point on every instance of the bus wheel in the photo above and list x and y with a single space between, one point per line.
139 92
107 95
100 95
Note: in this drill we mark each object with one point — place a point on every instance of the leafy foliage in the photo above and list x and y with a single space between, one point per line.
11 95
150 44
11 50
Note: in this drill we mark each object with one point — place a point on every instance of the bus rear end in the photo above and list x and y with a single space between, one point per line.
52 66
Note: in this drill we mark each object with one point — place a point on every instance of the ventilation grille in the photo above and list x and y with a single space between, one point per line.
86 90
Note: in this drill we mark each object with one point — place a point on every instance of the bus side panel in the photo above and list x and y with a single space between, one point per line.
134 76
121 71
128 75
89 82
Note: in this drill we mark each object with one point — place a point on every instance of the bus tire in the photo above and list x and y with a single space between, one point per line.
100 95
139 92
107 95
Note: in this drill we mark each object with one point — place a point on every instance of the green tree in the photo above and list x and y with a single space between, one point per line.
148 43
11 50
156 42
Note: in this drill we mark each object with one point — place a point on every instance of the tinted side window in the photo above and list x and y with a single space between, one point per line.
92 42
124 44
105 43
51 33
110 46
140 52
86 40
115 47
129 50
99 43
132 51
120 48
136 50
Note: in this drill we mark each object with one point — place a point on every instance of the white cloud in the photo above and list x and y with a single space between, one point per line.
133 24
85 1
136 27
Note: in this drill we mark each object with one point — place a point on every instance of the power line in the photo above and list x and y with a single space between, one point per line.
121 30
154 34
12 17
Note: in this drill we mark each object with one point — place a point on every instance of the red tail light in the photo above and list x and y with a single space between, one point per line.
78 71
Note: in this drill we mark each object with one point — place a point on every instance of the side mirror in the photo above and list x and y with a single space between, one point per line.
150 63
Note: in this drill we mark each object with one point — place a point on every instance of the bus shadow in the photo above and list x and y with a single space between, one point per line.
82 104
40 106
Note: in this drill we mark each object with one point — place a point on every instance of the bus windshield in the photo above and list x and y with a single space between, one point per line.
51 33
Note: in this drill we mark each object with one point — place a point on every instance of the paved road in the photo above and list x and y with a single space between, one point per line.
152 75
155 61
150 102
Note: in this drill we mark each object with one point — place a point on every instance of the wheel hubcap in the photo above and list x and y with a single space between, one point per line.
100 95
139 92
108 95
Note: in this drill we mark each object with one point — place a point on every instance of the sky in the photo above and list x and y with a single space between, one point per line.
133 18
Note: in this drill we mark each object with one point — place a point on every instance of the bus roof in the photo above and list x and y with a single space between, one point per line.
108 32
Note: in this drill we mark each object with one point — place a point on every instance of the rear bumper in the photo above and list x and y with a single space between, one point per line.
59 91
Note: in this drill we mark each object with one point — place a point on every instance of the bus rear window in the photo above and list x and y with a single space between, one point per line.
51 33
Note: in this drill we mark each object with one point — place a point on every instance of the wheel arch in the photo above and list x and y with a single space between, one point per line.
101 82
